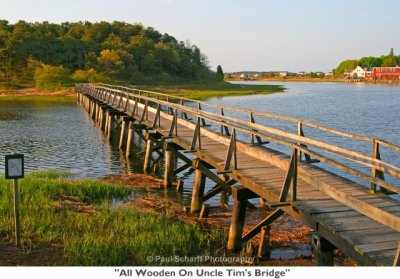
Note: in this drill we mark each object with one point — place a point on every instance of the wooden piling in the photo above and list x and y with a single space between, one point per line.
130 139
198 191
264 250
323 250
148 154
110 127
106 122
124 125
169 165
102 121
237 224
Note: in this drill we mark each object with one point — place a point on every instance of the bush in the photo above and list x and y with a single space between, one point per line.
52 77
91 75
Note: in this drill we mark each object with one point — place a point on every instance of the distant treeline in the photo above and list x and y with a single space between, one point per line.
51 55
368 62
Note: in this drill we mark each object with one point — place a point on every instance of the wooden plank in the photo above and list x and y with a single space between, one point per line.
384 257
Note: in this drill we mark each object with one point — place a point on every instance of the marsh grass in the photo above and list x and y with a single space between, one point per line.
78 215
203 91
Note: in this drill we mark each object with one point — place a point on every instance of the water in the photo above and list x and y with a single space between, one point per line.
365 109
55 134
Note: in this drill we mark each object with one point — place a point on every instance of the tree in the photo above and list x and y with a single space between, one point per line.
110 61
389 61
220 73
345 66
369 62
118 50
90 75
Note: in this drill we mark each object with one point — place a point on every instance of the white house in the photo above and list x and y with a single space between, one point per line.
358 72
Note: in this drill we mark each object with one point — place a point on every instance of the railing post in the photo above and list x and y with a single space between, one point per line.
300 133
231 154
374 172
222 126
291 179
251 121
252 136
203 122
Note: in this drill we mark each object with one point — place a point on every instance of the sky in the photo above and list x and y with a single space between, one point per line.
254 35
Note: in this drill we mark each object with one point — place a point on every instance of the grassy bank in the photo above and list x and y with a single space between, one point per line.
198 91
205 91
28 92
79 219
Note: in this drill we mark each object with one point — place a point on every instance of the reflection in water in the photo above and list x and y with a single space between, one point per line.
55 134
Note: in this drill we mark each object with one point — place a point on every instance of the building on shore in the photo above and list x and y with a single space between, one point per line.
286 74
389 73
375 73
358 72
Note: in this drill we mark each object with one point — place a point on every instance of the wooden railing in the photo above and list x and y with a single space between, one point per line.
303 144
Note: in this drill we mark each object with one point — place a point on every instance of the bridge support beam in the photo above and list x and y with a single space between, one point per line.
241 195
198 191
149 151
237 224
123 134
102 117
323 250
169 165
110 126
130 139
93 109
264 249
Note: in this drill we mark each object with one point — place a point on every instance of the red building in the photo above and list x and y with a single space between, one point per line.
383 73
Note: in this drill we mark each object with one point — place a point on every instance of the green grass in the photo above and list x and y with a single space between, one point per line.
201 91
105 236
39 100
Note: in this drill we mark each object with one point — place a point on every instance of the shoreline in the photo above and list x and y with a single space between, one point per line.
30 92
319 80
190 91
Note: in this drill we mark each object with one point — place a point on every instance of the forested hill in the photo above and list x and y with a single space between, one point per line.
368 62
52 55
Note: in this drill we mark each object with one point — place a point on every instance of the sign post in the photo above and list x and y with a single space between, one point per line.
14 170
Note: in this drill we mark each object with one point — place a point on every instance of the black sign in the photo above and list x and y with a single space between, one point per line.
14 166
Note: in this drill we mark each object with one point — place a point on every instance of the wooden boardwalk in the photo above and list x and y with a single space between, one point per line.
364 223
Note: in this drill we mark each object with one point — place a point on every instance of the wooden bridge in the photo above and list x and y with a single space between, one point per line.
363 222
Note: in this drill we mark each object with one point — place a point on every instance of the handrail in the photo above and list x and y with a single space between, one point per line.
292 140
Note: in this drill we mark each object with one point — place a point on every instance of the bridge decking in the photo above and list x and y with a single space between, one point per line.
263 171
